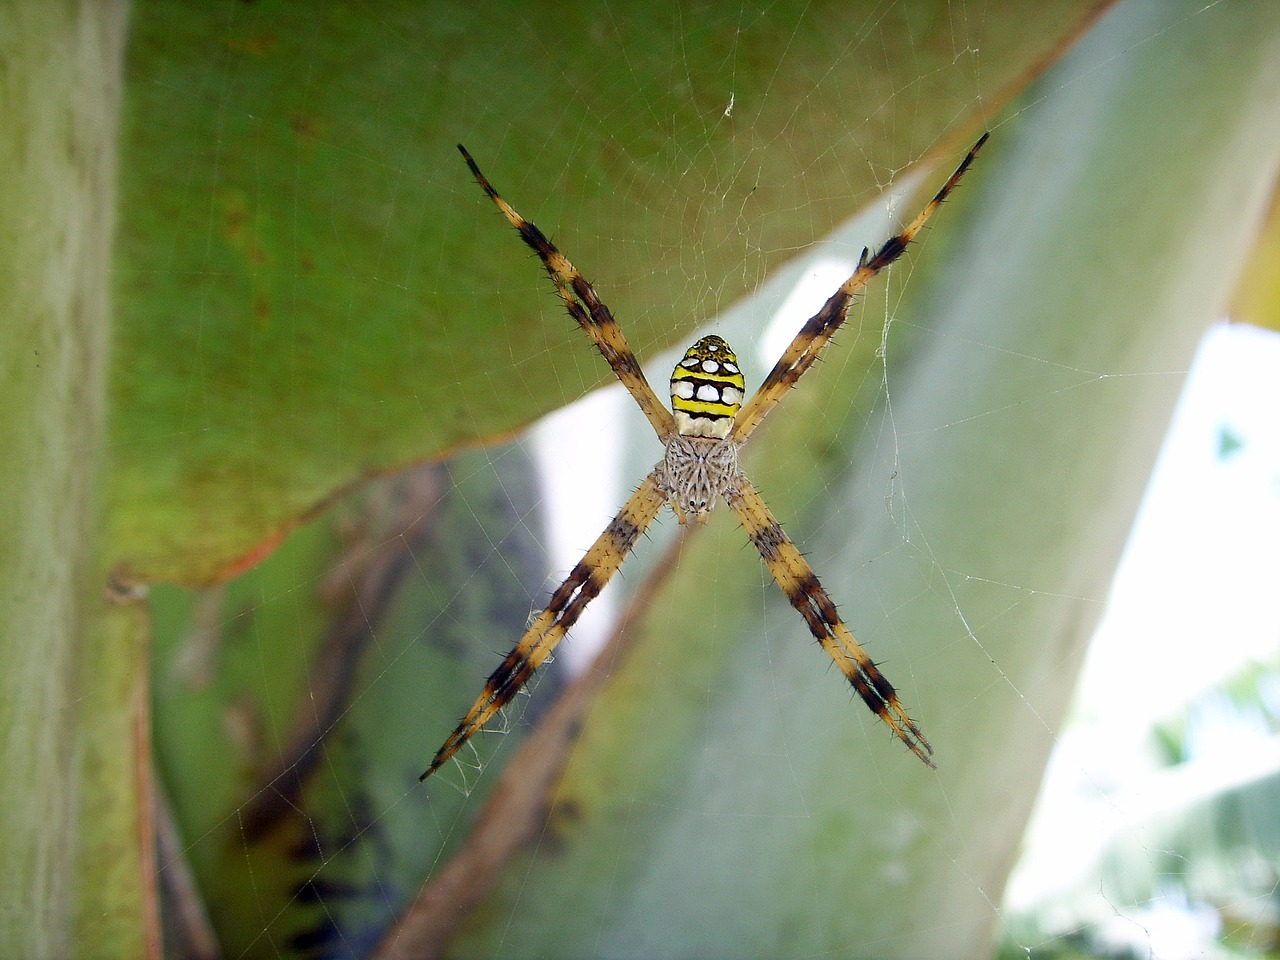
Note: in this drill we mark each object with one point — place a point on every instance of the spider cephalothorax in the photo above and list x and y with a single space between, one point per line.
696 472
702 432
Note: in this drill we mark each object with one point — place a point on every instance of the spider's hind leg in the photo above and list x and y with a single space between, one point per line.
818 329
586 308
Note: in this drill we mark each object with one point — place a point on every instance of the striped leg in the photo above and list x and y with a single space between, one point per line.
594 318
583 585
819 328
798 581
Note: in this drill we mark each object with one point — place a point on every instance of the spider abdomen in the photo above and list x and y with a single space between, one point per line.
706 389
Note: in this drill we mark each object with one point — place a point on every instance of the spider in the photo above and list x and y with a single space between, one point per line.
703 432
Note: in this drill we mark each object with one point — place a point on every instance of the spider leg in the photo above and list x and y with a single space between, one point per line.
798 581
819 328
583 585
594 318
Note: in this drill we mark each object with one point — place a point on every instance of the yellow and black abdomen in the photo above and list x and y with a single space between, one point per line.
706 389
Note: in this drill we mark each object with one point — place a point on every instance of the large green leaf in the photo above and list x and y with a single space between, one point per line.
292 706
60 63
312 290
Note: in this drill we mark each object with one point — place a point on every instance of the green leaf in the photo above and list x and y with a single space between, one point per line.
311 290
1257 299
59 100
294 708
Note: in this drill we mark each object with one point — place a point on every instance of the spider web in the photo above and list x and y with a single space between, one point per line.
961 471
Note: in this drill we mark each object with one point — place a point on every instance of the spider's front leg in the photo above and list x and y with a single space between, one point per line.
802 587
583 585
